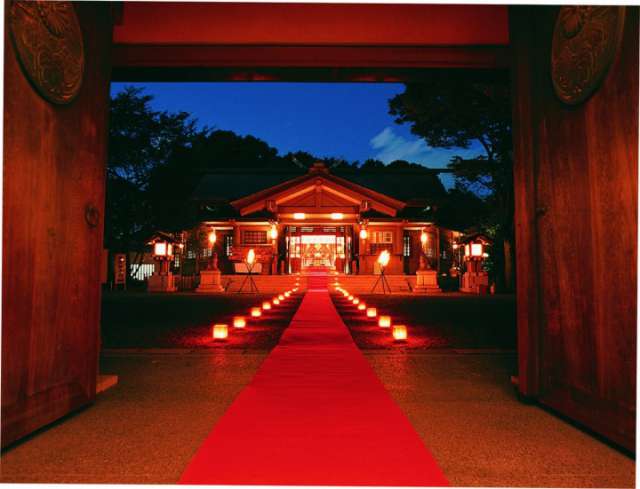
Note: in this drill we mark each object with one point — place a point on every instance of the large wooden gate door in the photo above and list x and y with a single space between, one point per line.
576 229
54 168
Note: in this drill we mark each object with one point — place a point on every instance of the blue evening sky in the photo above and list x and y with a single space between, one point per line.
343 120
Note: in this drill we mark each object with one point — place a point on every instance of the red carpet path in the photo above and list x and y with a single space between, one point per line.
314 414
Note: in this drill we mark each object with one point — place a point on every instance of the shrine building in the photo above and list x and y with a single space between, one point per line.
336 219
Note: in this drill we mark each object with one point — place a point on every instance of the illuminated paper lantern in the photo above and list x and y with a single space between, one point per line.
266 305
299 215
399 332
251 256
273 232
350 297
356 301
239 322
383 259
363 233
287 294
372 312
281 297
384 321
212 236
256 312
276 301
361 307
220 331
337 216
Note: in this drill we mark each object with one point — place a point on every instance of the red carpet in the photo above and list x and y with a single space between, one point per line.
314 414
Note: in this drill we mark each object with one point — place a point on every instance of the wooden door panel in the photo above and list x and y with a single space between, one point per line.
54 167
577 180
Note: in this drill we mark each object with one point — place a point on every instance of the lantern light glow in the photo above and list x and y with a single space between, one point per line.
281 297
276 301
160 248
362 307
239 322
384 258
384 321
212 236
256 312
364 234
336 216
356 301
251 256
372 312
399 332
220 331
266 305
476 249
423 237
299 216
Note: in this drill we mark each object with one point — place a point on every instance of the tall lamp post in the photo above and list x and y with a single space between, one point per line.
162 279
250 261
383 261
211 278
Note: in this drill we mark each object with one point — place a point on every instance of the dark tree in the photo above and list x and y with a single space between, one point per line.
456 111
141 140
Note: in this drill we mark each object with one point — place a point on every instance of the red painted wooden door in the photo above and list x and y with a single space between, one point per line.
54 167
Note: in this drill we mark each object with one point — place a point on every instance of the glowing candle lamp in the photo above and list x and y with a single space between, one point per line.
362 307
220 331
276 301
295 289
239 322
256 312
384 321
399 332
356 301
350 297
287 294
266 305
345 293
372 312
281 297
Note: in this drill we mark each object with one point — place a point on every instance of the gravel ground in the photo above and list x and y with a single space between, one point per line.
182 320
447 321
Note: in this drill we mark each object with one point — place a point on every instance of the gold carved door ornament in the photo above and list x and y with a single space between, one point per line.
585 43
48 42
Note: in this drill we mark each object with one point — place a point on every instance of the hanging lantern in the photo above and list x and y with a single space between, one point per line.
273 232
266 305
363 233
384 321
423 237
372 312
399 332
220 331
239 322
362 307
256 312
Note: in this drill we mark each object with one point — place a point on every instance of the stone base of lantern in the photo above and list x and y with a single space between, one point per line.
427 282
210 281
161 283
475 283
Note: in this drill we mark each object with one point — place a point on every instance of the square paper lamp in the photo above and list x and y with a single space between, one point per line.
372 312
281 297
220 331
276 301
256 312
356 301
239 322
287 294
266 305
361 307
399 332
384 321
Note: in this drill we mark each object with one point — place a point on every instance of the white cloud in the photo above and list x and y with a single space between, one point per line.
389 146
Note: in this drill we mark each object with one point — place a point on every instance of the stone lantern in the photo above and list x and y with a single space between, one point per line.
475 279
211 278
162 279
